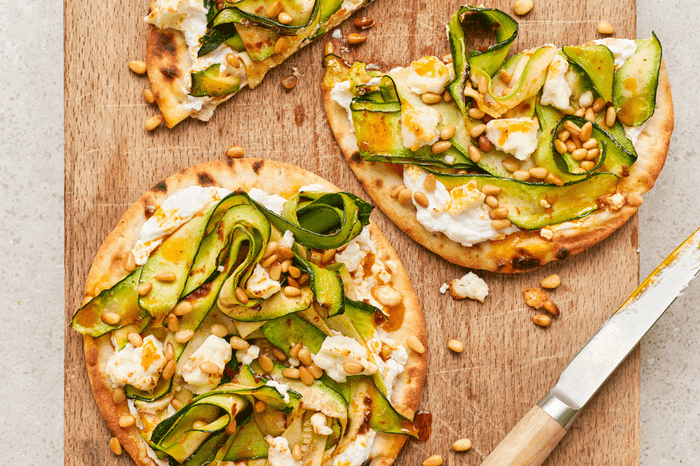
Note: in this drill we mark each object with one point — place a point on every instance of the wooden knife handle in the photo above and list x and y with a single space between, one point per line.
529 443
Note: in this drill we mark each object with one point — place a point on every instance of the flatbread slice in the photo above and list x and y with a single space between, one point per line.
377 103
358 298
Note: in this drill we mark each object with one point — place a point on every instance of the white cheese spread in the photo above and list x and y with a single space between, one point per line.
470 286
272 202
247 356
556 91
140 366
342 96
470 226
215 350
516 136
287 239
175 211
260 284
338 349
280 454
390 369
318 422
357 452
419 126
622 49
429 74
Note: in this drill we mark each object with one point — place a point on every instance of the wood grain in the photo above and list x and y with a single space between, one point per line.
508 362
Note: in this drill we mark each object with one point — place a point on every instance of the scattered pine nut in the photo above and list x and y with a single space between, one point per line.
430 98
462 444
291 373
148 96
430 182
542 320
137 66
182 308
500 223
274 10
166 277
356 39
118 396
209 367
259 406
435 460
281 45
239 343
296 452
440 147
183 336
475 113
404 196
353 368
218 330
126 420
289 82
153 122
551 307
233 60
551 282
266 364
415 344
491 201
284 18
421 199
135 339
490 190
522 7
129 262
455 345
110 318
305 356
364 22
115 446
606 28
484 144
610 116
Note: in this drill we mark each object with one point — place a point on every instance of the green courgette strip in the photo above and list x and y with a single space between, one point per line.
598 63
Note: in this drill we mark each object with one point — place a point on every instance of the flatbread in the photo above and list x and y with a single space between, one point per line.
523 250
168 62
271 177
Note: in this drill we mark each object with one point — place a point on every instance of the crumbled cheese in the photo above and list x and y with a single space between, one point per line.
338 349
556 91
516 136
318 421
616 201
355 453
175 211
280 454
388 295
429 74
281 388
272 202
622 49
337 34
546 233
287 239
260 284
139 367
545 204
468 228
444 288
342 96
215 350
469 286
390 369
247 356
419 126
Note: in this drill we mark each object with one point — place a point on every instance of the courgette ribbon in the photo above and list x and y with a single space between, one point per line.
228 247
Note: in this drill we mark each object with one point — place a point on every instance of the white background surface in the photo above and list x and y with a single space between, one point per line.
31 239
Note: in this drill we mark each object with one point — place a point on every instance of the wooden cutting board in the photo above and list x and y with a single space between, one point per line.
508 362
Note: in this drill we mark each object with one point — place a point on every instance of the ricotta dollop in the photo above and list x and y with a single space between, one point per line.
215 350
272 202
336 350
516 136
260 284
622 49
139 367
419 126
280 454
429 74
556 91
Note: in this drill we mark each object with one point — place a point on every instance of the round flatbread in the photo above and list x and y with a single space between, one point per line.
521 250
405 319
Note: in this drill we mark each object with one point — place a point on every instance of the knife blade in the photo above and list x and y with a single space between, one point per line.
538 433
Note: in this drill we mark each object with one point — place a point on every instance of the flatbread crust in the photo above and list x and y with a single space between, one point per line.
523 250
271 177
168 62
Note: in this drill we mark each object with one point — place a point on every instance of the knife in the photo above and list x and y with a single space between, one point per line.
535 436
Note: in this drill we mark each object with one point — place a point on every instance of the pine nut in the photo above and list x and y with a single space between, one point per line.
281 45
291 291
284 18
586 131
285 252
550 307
421 199
578 171
274 10
279 354
241 295
541 320
239 344
291 373
588 165
610 116
289 82
500 223
521 175
259 406
118 396
606 28
110 318
490 190
430 98
580 112
386 351
598 105
539 173
572 128
356 39
144 288
364 22
182 308
505 76
153 122
218 330
415 344
429 183
269 261
316 371
511 165
233 60
296 452
499 212
270 249
522 7
231 426
455 345
126 420
482 86
554 179
560 146
589 115
404 196
563 135
491 201
353 368
294 272
209 367
129 262
477 130
294 351
440 147
306 376
115 446
435 460
396 190
183 336
447 97
591 143
266 364
166 277
172 323
570 146
505 92
484 144
305 356
475 113
177 404
447 132
579 154
137 66
169 352
592 154
462 444
551 282
474 154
